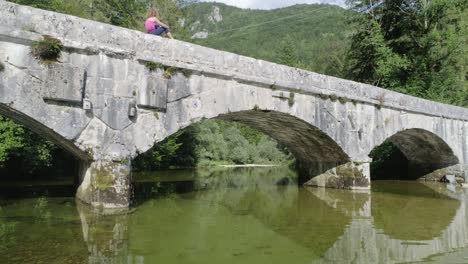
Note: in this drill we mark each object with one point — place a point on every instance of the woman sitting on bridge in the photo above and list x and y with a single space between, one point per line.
154 25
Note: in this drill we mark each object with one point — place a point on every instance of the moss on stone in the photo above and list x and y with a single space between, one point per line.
152 66
323 96
102 178
343 100
186 72
48 49
333 97
291 101
169 71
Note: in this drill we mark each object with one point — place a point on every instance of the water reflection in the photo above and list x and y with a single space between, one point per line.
245 216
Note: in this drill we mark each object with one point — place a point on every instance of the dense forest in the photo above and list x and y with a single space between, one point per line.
417 47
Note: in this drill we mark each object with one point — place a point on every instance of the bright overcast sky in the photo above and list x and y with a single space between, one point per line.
271 4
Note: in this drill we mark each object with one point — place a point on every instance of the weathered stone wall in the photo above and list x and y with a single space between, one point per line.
102 102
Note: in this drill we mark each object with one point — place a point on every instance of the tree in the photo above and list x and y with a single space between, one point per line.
18 142
412 46
287 53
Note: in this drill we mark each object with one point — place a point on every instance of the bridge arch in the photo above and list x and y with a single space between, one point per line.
416 153
44 131
314 150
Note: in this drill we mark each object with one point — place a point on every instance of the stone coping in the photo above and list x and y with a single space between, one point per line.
22 24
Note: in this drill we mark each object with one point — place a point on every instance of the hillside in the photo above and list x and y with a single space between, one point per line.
319 33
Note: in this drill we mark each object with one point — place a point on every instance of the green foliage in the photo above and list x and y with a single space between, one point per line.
19 143
413 46
47 49
169 72
213 142
287 53
160 156
291 99
7 229
369 60
2 66
235 143
315 37
381 154
152 66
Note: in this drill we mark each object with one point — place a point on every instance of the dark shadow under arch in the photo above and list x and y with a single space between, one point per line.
412 154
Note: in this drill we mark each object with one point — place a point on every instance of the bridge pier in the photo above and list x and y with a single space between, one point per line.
465 172
351 175
106 184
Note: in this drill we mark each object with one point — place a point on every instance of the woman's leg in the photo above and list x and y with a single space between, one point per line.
160 30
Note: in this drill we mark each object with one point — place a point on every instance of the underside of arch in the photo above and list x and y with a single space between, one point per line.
425 152
314 151
43 131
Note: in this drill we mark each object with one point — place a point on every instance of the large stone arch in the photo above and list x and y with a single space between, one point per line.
314 150
428 155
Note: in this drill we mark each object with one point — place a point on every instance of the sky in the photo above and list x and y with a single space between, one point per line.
271 4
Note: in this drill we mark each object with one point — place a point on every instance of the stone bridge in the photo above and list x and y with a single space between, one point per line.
115 92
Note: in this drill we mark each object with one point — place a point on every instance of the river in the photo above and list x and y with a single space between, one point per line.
240 215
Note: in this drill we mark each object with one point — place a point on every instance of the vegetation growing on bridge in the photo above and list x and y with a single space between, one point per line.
153 66
291 100
48 49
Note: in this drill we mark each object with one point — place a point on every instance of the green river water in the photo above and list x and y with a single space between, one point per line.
249 215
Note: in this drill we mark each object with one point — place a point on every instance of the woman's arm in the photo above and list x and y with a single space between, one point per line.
160 23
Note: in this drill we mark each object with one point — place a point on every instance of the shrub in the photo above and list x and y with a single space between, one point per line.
48 49
291 99
152 66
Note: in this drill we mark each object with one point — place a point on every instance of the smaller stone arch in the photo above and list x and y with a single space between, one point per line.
427 156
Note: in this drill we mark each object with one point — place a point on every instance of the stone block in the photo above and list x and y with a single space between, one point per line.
115 112
63 83
178 88
153 95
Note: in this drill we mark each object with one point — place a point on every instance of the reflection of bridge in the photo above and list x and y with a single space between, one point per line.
102 104
351 229
362 242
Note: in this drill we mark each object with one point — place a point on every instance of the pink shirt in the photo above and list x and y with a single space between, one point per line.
150 25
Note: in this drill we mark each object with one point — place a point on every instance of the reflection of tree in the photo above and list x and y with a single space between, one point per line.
7 230
215 178
289 211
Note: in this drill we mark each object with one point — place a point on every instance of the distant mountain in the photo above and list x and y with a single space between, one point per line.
320 32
